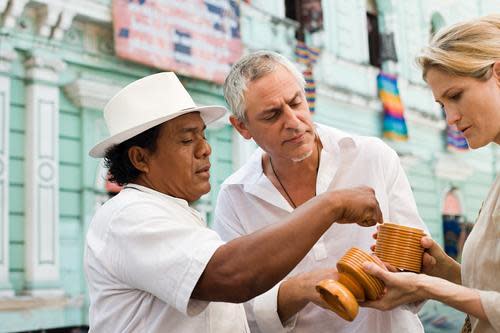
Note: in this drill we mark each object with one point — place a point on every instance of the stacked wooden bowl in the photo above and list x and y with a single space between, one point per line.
354 285
400 246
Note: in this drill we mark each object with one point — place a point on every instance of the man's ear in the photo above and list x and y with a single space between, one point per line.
240 127
496 72
139 158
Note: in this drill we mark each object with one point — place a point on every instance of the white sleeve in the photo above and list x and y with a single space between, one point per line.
226 221
152 250
402 205
491 305
262 311
265 310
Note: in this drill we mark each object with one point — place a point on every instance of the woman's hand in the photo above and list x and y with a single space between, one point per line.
436 262
400 288
405 288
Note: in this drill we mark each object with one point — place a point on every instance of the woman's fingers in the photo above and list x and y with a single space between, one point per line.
375 270
427 242
428 261
391 268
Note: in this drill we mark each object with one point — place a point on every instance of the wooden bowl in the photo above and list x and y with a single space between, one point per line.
353 285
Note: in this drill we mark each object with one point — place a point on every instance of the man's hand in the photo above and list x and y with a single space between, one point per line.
358 205
300 290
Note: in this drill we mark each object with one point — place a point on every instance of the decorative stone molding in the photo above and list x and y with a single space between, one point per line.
65 20
54 20
6 56
54 17
42 177
91 92
96 11
48 18
12 10
44 68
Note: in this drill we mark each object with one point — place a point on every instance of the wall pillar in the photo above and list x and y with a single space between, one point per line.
42 176
6 57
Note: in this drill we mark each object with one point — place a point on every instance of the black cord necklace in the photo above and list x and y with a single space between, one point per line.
283 187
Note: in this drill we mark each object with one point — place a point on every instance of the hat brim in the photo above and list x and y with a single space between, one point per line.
209 114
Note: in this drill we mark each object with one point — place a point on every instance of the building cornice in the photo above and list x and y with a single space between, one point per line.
91 93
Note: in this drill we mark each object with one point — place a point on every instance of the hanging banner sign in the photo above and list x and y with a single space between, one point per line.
196 38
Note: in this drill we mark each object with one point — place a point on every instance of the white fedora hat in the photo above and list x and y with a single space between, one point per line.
146 103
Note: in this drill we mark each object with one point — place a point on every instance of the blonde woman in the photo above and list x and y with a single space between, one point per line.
462 67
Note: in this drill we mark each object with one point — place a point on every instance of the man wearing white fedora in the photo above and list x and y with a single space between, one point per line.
151 263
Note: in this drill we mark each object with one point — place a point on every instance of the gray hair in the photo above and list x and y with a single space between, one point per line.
250 68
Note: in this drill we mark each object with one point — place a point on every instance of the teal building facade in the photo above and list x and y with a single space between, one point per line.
58 68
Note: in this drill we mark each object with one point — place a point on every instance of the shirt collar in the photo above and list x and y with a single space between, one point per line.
160 195
334 139
178 201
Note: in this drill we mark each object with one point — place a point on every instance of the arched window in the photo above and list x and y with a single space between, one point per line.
451 205
452 218
455 228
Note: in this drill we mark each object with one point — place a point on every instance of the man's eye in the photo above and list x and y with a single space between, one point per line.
187 141
271 116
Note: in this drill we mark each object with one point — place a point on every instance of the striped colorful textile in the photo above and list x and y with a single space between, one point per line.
455 140
394 126
308 56
305 54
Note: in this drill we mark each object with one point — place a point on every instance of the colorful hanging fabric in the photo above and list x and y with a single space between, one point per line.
308 56
394 126
455 140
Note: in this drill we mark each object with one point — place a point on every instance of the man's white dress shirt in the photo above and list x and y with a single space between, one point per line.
248 201
144 254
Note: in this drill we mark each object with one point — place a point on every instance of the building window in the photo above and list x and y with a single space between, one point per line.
308 13
373 33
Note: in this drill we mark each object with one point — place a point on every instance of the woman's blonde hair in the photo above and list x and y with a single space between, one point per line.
464 49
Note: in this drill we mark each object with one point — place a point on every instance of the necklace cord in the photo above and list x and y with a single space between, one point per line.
283 187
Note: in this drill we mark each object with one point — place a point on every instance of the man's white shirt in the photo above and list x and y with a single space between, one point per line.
144 254
248 201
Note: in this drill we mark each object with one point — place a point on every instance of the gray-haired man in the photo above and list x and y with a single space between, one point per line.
298 160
